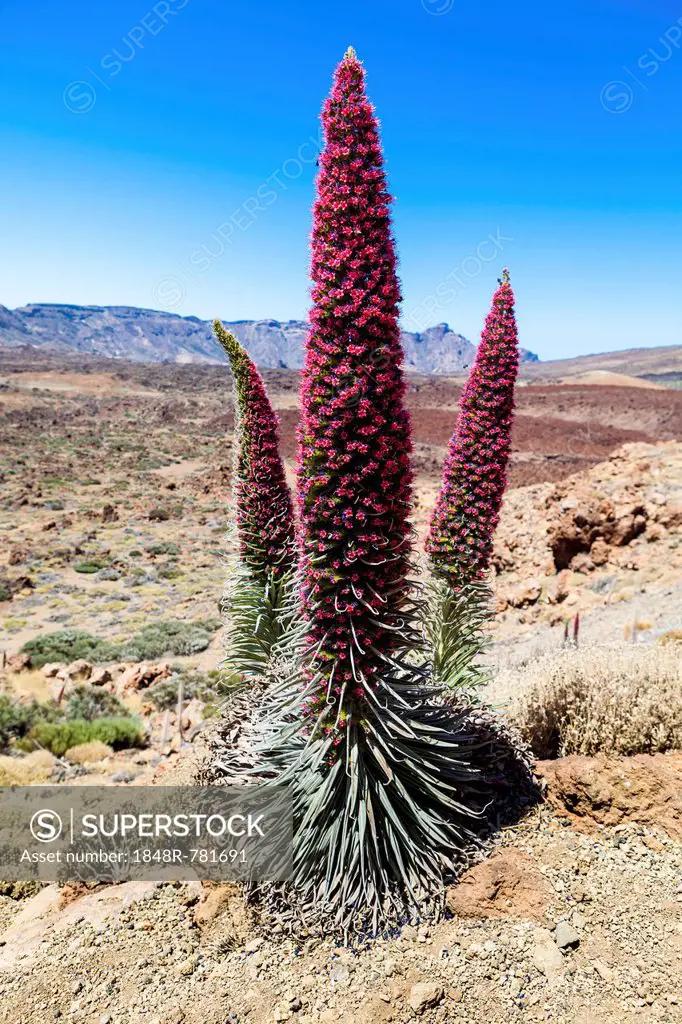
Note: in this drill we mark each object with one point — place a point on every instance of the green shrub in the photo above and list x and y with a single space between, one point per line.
89 703
5 592
170 572
16 720
90 565
118 733
153 641
169 547
69 645
206 687
170 637
58 737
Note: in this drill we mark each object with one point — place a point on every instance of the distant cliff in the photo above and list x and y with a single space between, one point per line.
152 336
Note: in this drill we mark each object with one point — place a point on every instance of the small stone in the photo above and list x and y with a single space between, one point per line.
424 995
281 1012
340 975
253 945
188 966
547 955
604 972
389 968
565 936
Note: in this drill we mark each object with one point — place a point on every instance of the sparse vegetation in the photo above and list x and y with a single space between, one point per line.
90 702
205 686
165 637
67 645
673 636
168 547
34 768
58 737
169 637
616 700
17 719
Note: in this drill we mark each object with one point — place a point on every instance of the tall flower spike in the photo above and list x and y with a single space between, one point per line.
467 511
391 787
264 512
354 476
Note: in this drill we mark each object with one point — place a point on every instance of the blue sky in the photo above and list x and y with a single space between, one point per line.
162 155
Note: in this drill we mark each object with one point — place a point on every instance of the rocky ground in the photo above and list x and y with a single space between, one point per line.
570 921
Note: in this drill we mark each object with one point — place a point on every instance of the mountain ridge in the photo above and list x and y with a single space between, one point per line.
148 335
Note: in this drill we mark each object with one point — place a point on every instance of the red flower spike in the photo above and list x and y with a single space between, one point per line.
354 474
467 511
264 511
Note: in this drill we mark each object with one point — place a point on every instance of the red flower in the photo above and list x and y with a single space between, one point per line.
354 439
467 511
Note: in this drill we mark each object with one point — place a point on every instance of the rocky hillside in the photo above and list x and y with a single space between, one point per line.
152 336
611 537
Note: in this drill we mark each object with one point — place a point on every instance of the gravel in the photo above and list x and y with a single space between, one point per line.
609 948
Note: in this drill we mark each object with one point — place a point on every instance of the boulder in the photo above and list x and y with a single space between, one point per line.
547 955
18 662
139 677
565 936
193 714
524 594
592 791
100 676
53 668
77 671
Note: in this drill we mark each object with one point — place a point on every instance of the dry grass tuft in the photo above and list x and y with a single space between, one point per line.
26 771
618 700
88 753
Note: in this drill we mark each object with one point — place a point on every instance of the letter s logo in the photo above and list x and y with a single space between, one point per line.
46 826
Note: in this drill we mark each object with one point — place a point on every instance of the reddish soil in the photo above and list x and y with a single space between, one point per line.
646 789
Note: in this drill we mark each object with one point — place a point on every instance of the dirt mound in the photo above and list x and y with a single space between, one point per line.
646 789
508 884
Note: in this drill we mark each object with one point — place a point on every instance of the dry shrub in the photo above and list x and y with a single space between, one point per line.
26 771
87 753
619 700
